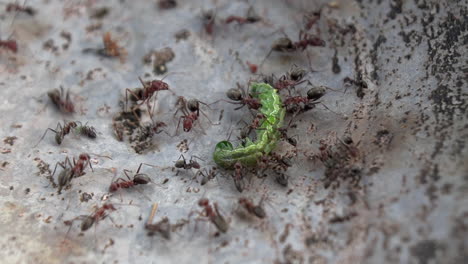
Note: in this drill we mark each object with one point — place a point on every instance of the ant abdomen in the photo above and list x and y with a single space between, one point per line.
141 179
316 93
234 94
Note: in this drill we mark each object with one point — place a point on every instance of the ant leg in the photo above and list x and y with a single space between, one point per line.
203 113
126 173
126 97
191 158
44 136
182 156
240 106
263 61
178 124
89 162
61 165
139 167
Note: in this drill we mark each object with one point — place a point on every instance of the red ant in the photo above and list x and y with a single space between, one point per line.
17 8
138 178
285 44
61 131
238 176
183 164
213 215
144 94
88 220
208 18
315 93
253 209
56 96
239 97
291 79
191 111
73 171
250 18
78 167
207 175
256 124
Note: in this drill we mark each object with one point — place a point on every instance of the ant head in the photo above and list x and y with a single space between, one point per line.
113 187
316 93
109 207
203 202
195 165
187 124
238 166
193 105
234 94
84 156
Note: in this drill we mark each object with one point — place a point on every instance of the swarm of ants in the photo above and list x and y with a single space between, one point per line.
298 96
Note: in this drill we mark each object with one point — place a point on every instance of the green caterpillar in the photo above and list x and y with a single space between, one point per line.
225 155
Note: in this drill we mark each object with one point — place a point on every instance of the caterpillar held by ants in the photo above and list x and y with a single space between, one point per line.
226 156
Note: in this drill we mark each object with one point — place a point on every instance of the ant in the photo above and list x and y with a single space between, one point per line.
61 131
183 164
239 97
73 171
253 209
138 178
208 18
207 175
256 124
163 227
313 94
56 96
291 79
78 167
238 176
144 94
213 215
65 176
284 135
191 111
17 8
87 221
250 18
285 44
